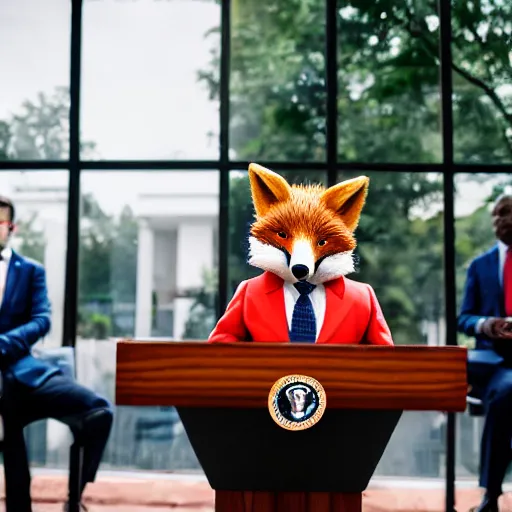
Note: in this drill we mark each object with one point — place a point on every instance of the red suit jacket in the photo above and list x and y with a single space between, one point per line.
257 313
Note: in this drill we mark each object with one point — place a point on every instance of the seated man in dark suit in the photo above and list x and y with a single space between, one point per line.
33 389
486 314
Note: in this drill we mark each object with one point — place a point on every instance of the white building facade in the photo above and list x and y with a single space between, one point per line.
177 237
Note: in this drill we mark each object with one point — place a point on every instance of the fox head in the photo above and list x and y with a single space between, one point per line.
304 233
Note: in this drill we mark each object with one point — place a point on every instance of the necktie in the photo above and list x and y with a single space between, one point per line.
507 283
303 319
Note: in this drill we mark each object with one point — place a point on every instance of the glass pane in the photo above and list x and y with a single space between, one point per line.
41 209
41 202
278 96
34 90
148 268
475 195
142 94
241 216
400 254
482 99
389 99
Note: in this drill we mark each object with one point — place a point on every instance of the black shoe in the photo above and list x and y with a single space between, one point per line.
487 505
83 508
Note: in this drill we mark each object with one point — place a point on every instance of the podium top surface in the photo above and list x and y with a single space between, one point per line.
240 375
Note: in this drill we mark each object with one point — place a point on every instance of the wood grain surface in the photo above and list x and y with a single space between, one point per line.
248 501
240 375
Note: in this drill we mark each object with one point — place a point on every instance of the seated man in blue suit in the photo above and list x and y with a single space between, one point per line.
33 389
486 314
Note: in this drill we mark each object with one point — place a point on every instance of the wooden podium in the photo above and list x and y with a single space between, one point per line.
221 393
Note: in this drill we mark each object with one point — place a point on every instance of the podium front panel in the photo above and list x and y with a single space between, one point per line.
245 450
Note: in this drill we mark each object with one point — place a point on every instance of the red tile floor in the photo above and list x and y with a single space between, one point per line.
188 493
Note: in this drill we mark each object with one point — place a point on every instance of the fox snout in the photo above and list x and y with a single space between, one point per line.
300 271
302 260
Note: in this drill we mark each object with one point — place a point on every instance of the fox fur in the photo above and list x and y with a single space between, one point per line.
304 232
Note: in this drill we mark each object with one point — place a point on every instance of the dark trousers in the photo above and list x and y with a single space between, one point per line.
88 415
496 450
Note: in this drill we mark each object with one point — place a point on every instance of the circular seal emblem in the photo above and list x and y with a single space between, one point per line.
297 402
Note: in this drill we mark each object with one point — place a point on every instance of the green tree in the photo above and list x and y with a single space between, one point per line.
124 257
389 111
401 252
32 239
108 266
481 39
5 139
389 98
97 232
40 130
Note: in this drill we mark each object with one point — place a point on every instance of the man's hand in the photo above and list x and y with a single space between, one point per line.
497 328
17 342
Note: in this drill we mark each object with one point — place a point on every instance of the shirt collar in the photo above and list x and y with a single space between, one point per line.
6 254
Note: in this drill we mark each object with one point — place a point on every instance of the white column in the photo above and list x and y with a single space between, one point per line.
194 254
145 265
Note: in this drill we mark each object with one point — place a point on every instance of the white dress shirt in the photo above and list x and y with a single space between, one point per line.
317 297
502 252
4 267
502 248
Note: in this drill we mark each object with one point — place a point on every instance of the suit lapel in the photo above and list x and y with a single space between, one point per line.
337 306
493 280
273 307
13 277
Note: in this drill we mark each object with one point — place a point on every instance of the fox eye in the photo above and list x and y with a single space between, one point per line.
282 234
321 243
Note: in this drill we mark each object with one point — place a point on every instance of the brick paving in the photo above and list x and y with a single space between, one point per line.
144 494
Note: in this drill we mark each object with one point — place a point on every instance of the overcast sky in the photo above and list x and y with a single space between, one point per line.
140 59
140 94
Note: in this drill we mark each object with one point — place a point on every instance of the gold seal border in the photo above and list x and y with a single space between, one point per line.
296 425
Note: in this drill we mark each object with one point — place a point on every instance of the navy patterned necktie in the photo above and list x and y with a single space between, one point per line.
303 319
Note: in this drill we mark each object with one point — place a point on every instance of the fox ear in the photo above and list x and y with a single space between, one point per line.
347 199
267 188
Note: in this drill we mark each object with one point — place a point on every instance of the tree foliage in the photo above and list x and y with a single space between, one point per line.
108 269
108 246
32 242
40 130
389 107
389 99
389 110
